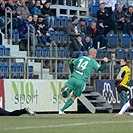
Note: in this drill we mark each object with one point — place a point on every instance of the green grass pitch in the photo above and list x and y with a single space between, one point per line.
69 123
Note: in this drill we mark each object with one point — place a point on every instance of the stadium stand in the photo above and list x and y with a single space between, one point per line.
120 53
125 40
112 40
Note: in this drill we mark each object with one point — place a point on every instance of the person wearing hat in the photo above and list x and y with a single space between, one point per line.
128 105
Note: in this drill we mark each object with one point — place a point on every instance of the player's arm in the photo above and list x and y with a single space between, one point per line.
103 65
71 67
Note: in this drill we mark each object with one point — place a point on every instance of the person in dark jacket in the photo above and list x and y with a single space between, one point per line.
118 17
87 42
46 11
77 48
105 15
96 32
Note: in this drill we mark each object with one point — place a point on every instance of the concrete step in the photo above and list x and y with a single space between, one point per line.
45 70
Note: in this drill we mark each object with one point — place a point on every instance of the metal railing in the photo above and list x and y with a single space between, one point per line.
6 12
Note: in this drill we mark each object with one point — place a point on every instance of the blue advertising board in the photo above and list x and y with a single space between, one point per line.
108 90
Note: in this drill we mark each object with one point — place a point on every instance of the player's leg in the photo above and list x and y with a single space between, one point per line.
22 111
77 90
4 112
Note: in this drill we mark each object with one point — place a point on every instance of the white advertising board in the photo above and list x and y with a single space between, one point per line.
39 95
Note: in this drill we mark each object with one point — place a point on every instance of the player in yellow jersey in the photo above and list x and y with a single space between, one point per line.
122 81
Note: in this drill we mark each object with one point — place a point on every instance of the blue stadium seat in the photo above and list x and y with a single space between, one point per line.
116 70
125 40
94 7
66 52
89 20
60 68
53 51
38 51
66 39
22 72
120 53
68 20
57 23
130 54
31 74
61 51
63 23
106 72
13 70
56 37
7 51
112 40
61 37
5 70
2 48
44 52
18 70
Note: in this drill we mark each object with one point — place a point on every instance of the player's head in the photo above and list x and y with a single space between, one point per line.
123 61
92 52
131 102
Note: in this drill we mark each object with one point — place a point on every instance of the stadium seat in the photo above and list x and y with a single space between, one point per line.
30 72
125 40
61 38
7 51
68 20
120 53
57 23
89 20
44 52
66 52
116 70
61 51
2 48
94 7
60 68
112 40
38 51
106 72
53 51
13 70
63 23
130 54
18 70
66 39
56 37
5 70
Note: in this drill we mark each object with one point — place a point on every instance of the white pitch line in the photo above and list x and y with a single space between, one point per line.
67 125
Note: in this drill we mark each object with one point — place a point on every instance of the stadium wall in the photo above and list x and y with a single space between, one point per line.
39 95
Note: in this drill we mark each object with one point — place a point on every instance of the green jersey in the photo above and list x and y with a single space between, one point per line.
83 67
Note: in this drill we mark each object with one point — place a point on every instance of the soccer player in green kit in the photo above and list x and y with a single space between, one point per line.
80 69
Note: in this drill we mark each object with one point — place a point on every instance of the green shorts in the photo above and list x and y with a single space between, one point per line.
76 85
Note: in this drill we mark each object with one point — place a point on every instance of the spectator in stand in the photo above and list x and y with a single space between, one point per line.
96 32
77 48
73 29
46 11
17 22
24 27
118 17
83 27
43 27
105 15
41 39
29 4
2 16
23 10
129 18
36 9
87 42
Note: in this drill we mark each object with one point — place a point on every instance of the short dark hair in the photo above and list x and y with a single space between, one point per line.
87 35
74 17
125 60
78 36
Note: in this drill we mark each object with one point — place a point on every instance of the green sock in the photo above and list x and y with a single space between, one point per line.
68 104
